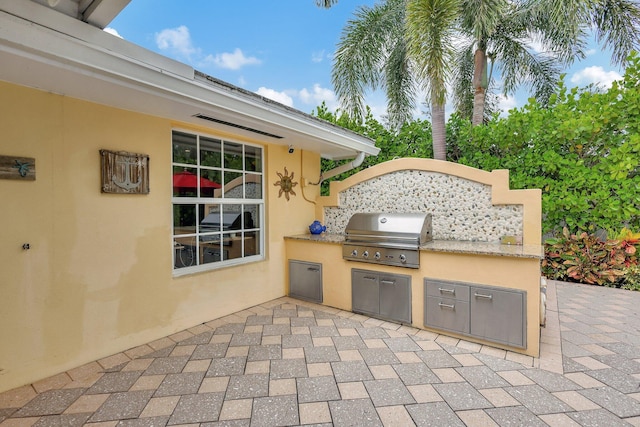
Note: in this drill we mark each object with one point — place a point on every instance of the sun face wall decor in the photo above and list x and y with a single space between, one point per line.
286 184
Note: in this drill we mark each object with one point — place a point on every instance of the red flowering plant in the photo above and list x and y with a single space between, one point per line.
585 258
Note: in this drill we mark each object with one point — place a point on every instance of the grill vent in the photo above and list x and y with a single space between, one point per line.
235 125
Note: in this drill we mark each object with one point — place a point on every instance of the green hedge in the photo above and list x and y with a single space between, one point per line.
583 151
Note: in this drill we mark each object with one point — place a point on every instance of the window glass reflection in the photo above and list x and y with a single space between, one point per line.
231 217
185 252
184 219
185 182
212 251
232 156
251 216
252 186
210 152
251 243
210 183
253 159
185 148
233 185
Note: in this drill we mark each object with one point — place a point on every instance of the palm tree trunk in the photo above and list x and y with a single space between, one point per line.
438 131
478 106
479 85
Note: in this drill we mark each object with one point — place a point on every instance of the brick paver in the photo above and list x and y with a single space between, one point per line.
289 362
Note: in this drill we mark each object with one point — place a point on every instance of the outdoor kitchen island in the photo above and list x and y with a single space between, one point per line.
457 278
447 267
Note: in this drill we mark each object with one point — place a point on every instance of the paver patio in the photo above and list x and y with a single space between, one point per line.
289 362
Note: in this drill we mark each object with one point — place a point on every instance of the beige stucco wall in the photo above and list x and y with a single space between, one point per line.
98 277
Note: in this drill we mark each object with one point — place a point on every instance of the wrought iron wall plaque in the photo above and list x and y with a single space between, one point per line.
23 168
124 173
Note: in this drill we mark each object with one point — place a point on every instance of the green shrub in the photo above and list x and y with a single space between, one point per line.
632 278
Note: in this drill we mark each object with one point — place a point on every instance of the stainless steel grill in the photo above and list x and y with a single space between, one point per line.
387 238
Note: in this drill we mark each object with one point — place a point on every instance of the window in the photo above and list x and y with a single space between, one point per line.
218 205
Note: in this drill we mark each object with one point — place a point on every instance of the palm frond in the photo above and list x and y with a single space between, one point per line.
400 86
617 24
430 33
462 89
326 3
363 52
481 17
522 67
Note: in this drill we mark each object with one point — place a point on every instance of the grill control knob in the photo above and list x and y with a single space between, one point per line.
365 254
377 255
403 258
354 252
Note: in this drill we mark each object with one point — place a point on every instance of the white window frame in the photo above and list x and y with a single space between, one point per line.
198 201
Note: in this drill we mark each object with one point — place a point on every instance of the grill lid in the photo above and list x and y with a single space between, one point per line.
403 228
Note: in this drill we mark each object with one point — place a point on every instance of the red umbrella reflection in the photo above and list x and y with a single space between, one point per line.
186 179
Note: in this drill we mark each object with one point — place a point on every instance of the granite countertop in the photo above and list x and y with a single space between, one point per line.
451 246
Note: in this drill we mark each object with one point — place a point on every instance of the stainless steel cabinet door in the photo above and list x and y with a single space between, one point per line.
365 292
305 280
498 315
395 297
446 313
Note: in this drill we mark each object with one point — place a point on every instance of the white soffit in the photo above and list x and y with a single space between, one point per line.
55 53
95 12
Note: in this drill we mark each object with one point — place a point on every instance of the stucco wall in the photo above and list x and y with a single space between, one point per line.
98 277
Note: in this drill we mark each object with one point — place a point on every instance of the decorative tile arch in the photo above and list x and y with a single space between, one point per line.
466 203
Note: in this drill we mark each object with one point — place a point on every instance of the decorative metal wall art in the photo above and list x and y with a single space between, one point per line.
124 173
286 184
23 168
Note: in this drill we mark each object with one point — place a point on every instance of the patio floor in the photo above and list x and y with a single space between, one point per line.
288 362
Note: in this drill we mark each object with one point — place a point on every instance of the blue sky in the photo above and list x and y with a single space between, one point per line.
280 49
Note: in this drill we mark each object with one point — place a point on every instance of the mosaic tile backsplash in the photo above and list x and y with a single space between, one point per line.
460 209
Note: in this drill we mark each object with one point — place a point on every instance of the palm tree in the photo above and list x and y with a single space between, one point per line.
385 47
401 45
429 31
505 32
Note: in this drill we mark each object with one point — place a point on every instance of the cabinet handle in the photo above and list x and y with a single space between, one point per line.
388 282
451 306
477 295
370 278
447 291
313 269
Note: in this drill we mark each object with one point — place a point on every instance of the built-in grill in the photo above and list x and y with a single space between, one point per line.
387 238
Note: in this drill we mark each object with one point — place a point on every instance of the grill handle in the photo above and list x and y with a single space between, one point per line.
477 295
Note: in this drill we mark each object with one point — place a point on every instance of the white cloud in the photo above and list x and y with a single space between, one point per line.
112 31
316 95
232 61
506 103
176 41
280 97
591 52
317 56
596 75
